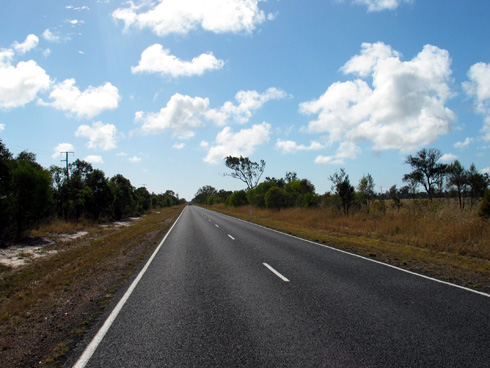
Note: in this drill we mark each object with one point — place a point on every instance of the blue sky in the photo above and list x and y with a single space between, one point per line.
161 91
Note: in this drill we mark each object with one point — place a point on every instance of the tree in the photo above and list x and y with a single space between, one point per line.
245 170
30 191
238 198
203 194
276 198
457 177
395 197
343 188
302 192
484 211
477 183
365 189
5 185
426 170
122 191
256 196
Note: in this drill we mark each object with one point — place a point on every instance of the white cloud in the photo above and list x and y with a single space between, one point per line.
183 16
465 143
156 59
182 115
346 150
2 127
242 143
404 109
94 159
30 42
486 170
448 157
6 56
178 146
62 147
379 5
292 147
332 160
50 36
248 102
478 87
100 135
20 84
121 154
86 104
75 22
134 159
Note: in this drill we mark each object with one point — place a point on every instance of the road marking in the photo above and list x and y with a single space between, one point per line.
90 349
364 258
232 238
216 225
276 273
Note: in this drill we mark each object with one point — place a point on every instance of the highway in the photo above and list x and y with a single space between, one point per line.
221 292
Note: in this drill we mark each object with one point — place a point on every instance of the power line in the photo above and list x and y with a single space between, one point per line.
66 160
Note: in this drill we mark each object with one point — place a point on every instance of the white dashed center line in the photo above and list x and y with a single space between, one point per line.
276 273
232 238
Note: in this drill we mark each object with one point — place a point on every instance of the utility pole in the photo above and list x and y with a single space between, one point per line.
66 160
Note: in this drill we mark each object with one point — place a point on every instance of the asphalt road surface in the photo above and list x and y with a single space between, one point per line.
224 293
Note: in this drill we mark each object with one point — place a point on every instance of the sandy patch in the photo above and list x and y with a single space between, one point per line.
21 254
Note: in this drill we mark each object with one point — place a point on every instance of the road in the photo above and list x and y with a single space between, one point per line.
221 292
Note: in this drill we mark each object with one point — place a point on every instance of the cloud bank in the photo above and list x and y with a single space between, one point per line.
403 108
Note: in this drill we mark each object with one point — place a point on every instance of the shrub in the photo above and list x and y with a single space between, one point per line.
485 206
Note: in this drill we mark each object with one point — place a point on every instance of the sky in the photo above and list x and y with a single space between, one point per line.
162 91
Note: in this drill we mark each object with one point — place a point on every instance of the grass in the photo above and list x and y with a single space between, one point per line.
44 305
435 238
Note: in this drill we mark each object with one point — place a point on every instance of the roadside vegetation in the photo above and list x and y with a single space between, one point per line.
437 224
31 196
49 304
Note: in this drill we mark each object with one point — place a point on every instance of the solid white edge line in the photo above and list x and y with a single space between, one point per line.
365 258
90 349
275 272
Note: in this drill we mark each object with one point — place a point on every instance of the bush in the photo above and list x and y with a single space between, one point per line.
238 198
485 206
276 198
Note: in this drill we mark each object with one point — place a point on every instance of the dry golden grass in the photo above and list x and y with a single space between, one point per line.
439 226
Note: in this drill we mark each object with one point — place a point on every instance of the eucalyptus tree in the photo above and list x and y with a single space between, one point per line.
426 170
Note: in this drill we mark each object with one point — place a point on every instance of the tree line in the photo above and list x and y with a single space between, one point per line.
30 193
428 179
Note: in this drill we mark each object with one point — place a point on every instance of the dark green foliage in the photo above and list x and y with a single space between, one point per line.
29 193
484 211
426 170
238 198
301 192
343 188
26 193
256 196
277 198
